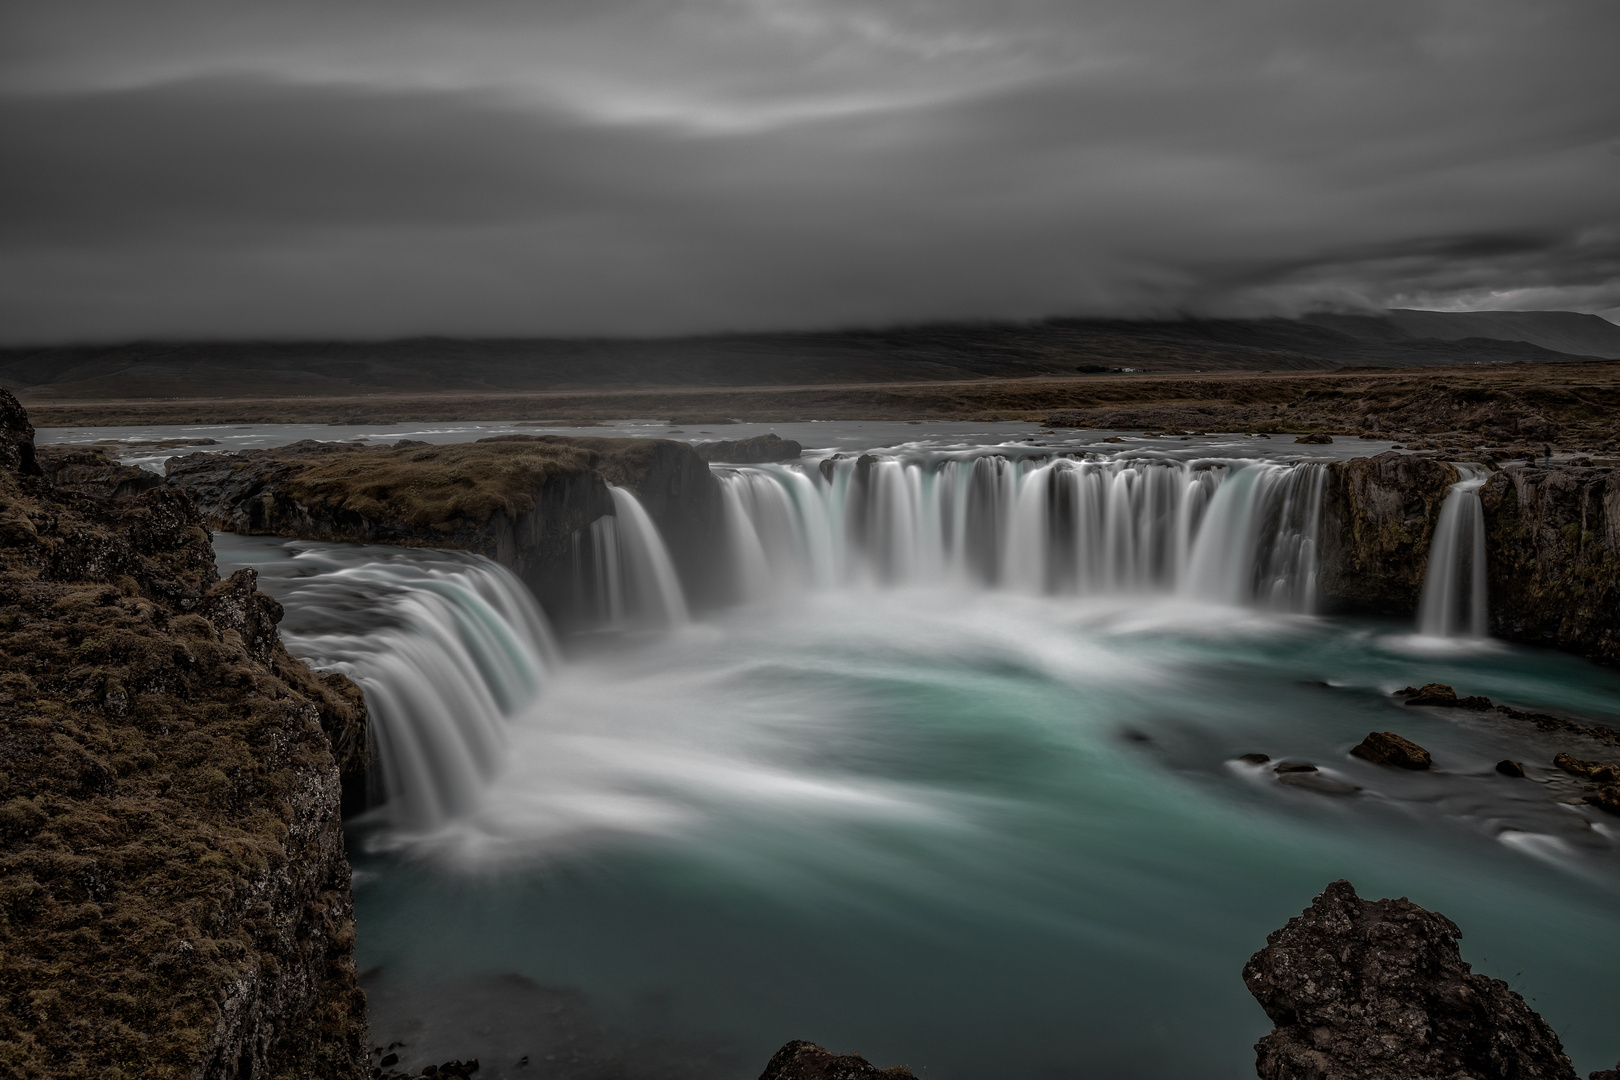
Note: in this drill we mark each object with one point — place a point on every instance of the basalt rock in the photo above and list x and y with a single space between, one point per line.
525 501
1377 990
1388 748
1553 557
174 895
91 472
800 1060
760 448
1378 517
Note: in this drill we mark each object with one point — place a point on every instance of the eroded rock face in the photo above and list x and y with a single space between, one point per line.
1553 557
1378 517
522 500
751 451
1376 990
800 1060
173 884
91 472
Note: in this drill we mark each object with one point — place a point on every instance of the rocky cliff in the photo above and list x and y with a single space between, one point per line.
522 500
174 895
1552 546
1553 557
1377 990
1378 517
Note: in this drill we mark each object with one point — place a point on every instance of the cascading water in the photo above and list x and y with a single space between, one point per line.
1454 601
446 647
1235 532
622 564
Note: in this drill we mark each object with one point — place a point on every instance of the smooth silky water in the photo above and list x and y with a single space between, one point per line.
954 794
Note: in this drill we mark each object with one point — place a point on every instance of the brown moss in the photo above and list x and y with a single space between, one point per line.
148 764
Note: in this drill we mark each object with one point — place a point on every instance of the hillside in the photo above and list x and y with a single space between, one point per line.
149 370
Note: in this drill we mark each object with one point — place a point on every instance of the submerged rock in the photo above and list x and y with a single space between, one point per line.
1315 781
1376 990
1388 748
1255 759
800 1060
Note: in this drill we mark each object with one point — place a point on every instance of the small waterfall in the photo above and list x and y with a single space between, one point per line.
1230 531
1454 601
623 561
445 647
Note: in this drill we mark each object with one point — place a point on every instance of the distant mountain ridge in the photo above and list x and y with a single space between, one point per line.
932 353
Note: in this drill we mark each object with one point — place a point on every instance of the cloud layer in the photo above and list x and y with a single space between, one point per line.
612 167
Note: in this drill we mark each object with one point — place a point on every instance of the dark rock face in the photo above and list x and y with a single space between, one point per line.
91 472
752 451
522 500
1388 748
1376 990
1378 516
799 1060
176 897
1553 557
16 438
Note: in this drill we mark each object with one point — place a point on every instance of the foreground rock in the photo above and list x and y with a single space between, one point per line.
522 500
1376 990
174 895
800 1060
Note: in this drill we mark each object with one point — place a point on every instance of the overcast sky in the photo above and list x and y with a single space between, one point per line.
360 169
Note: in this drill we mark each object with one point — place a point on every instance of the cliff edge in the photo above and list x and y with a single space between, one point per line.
176 898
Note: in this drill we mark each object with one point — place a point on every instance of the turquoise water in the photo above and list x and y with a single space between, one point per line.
982 834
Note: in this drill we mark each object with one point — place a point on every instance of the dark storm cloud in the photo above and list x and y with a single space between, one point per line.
708 164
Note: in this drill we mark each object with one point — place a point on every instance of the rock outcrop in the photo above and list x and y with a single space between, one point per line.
522 500
91 472
1553 557
800 1060
752 451
1378 517
174 894
1377 990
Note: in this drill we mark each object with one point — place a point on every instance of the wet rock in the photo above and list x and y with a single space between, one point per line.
1376 990
1388 748
1378 518
799 1060
1255 759
1430 694
1606 798
1315 781
1607 1074
1295 766
1588 770
751 451
1553 557
1508 767
1316 438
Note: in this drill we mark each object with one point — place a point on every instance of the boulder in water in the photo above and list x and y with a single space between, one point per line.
1430 694
1511 768
1376 990
800 1060
1254 759
1388 748
1588 770
1316 438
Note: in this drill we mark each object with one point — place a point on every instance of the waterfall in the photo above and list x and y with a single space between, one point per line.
446 647
1227 531
622 560
1454 601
